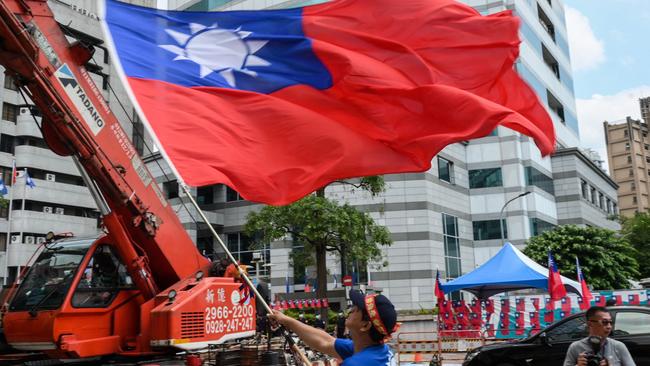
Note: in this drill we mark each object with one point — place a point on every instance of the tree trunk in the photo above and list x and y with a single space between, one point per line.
344 264
321 277
321 268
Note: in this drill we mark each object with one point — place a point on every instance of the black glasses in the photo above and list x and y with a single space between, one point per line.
603 322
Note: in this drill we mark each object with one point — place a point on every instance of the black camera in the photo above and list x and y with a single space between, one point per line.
594 359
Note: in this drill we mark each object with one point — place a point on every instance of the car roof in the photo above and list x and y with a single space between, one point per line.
611 309
615 309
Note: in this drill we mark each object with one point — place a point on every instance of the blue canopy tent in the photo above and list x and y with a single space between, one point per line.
508 270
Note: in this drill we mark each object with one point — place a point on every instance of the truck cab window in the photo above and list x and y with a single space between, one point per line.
48 279
102 279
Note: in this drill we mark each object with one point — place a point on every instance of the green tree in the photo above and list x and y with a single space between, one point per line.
607 259
637 232
323 225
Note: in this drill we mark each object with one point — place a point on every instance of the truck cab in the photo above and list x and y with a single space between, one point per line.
75 286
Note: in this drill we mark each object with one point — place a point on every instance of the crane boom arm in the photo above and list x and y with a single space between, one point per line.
77 121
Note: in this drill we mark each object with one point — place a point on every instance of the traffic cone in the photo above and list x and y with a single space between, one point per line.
417 358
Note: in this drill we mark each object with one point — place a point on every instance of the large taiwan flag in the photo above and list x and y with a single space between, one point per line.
278 103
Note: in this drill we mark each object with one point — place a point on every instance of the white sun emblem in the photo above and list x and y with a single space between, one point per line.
217 50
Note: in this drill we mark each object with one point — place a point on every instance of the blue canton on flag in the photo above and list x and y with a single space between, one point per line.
28 180
3 187
551 262
580 275
261 51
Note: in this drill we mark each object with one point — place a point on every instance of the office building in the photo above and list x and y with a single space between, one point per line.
629 162
645 109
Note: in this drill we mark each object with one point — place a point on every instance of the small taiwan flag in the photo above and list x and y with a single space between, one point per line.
555 286
536 303
585 293
29 182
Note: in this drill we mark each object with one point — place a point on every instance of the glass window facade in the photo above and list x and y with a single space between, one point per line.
242 248
594 195
452 246
170 189
10 112
205 195
445 170
232 195
137 136
9 82
538 226
483 178
489 229
538 179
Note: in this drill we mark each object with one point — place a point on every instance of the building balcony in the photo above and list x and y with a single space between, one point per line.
19 254
54 192
36 157
25 125
42 223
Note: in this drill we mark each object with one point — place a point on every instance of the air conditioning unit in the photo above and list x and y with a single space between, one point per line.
59 210
47 209
30 239
40 239
24 110
15 239
50 177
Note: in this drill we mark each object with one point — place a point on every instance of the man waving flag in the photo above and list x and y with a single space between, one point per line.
278 103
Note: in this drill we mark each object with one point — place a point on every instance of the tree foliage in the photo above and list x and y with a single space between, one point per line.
318 221
322 225
607 259
637 232
374 184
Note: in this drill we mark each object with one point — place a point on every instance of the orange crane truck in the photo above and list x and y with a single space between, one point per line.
142 288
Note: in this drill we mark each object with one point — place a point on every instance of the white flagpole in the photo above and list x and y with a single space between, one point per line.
23 203
11 196
24 189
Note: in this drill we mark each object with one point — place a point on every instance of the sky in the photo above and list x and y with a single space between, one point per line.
610 56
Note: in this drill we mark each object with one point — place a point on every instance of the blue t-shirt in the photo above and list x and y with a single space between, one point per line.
379 355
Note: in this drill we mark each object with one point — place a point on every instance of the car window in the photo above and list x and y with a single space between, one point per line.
570 330
628 323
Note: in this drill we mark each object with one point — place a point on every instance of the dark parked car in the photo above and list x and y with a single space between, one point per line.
548 347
